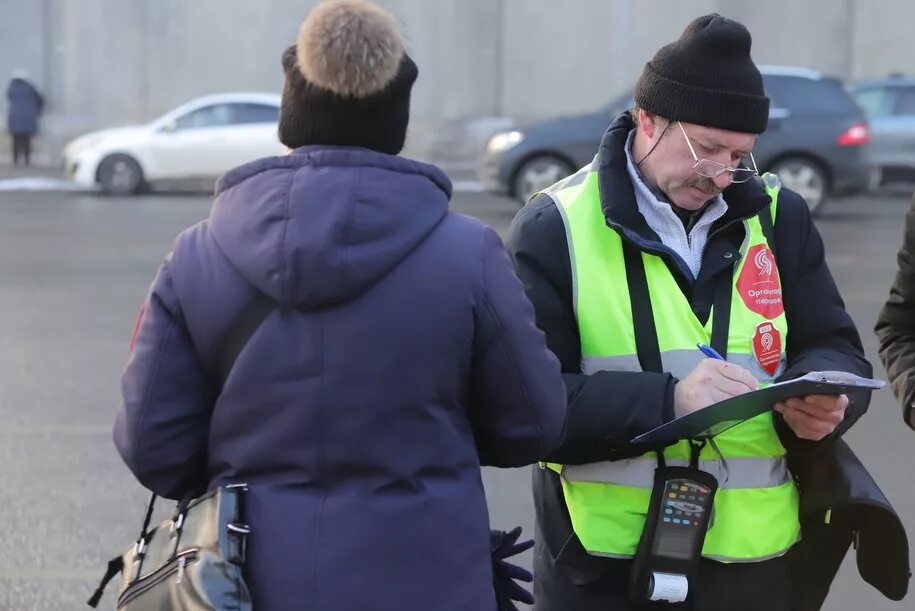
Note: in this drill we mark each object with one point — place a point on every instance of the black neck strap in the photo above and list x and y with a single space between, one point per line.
644 328
721 311
768 229
646 333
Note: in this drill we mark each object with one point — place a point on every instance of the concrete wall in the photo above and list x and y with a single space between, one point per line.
108 62
813 34
574 56
882 38
21 42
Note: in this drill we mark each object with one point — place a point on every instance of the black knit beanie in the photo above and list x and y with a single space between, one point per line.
706 77
348 80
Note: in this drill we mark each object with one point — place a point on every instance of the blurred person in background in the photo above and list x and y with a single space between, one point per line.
896 325
24 108
396 352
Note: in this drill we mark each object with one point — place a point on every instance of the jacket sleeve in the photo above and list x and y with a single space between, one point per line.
162 426
821 333
606 409
896 326
518 396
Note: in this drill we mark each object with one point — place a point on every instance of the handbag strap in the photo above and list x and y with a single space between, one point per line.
141 540
242 328
116 564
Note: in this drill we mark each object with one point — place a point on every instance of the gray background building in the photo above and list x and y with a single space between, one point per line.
75 266
110 62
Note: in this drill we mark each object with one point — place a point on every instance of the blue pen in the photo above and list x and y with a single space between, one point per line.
709 352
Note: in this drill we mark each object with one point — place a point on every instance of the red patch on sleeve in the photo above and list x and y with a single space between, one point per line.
136 327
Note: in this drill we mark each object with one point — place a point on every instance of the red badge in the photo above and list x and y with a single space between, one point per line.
136 327
767 347
758 284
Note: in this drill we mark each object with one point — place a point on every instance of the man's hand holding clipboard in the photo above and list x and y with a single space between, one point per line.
718 395
815 416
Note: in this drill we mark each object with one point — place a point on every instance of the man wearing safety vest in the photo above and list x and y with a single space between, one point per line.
670 239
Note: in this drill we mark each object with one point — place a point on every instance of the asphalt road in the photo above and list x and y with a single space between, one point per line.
74 269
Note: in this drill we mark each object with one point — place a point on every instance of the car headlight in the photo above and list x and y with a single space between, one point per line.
504 141
81 144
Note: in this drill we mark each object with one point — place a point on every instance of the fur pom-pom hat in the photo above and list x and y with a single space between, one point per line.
348 79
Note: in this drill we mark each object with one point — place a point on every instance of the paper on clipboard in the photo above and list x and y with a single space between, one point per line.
719 417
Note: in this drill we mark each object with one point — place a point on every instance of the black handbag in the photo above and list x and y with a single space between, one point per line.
193 561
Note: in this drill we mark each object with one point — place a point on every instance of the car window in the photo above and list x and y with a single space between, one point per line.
809 96
215 115
877 102
905 101
254 113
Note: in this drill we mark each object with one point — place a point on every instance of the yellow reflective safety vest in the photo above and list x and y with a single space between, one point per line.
755 515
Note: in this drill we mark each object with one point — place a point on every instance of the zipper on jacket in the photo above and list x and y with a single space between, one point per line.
176 565
708 239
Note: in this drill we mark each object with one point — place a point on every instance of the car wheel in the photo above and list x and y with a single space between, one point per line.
806 178
120 175
537 174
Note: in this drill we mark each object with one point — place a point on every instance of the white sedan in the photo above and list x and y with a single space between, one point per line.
199 140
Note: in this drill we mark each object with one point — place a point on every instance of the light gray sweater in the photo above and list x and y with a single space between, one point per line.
662 219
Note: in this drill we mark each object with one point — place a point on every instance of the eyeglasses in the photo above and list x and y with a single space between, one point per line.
713 169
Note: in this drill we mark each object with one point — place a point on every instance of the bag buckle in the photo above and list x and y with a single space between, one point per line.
177 524
182 564
139 549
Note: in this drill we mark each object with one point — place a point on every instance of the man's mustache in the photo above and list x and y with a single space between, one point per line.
707 185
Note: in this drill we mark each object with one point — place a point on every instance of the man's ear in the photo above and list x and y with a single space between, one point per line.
648 123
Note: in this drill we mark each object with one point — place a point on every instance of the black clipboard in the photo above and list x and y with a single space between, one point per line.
719 417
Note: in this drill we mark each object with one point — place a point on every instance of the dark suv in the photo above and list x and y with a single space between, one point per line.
814 141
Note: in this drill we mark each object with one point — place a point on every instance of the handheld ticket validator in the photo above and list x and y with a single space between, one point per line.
671 543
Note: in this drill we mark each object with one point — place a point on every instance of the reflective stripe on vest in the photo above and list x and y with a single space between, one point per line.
678 362
748 472
756 506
